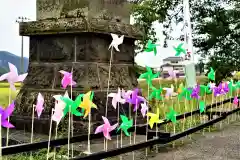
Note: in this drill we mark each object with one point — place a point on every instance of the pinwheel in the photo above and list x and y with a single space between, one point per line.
59 108
126 95
169 91
87 103
156 93
211 86
5 113
67 79
235 100
106 128
12 76
135 99
172 73
116 41
39 105
180 88
117 98
204 90
211 74
186 93
144 109
151 47
202 106
126 124
58 111
195 92
154 118
149 76
172 115
71 106
179 50
232 87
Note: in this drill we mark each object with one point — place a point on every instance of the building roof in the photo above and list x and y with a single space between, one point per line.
173 65
173 59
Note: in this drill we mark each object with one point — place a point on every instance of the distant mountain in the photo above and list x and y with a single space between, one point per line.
6 57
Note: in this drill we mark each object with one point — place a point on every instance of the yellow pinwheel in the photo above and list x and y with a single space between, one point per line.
87 103
154 118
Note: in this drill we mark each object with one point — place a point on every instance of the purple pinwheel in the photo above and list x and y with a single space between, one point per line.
195 92
225 88
216 91
135 99
5 113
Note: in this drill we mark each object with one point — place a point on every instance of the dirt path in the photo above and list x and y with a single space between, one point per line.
218 145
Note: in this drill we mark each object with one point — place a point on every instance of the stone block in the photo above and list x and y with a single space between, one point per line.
39 75
55 48
121 76
33 54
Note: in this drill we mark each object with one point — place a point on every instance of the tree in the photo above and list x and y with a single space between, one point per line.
216 28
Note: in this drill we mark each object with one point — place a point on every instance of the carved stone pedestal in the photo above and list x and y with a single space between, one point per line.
74 43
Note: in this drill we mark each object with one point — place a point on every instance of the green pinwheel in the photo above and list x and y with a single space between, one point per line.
202 106
156 93
151 47
126 124
149 76
211 74
71 106
179 50
171 115
232 87
186 93
204 90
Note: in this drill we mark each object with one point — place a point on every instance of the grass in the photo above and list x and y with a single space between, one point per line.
5 92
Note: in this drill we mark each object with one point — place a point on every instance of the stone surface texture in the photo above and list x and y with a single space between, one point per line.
116 10
77 44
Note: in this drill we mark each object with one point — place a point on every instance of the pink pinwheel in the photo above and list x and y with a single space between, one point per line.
135 99
39 105
144 109
106 128
59 108
235 100
5 113
116 98
127 94
12 76
67 79
172 73
169 91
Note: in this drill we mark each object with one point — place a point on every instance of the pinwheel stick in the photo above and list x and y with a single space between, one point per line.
0 138
31 140
108 83
71 114
56 130
209 129
49 137
9 102
147 124
89 132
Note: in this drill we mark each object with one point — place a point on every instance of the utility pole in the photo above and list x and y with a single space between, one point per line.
20 20
190 69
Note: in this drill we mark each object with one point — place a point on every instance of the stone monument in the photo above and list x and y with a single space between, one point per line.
75 34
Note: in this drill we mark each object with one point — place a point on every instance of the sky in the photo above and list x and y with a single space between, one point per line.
10 40
10 10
